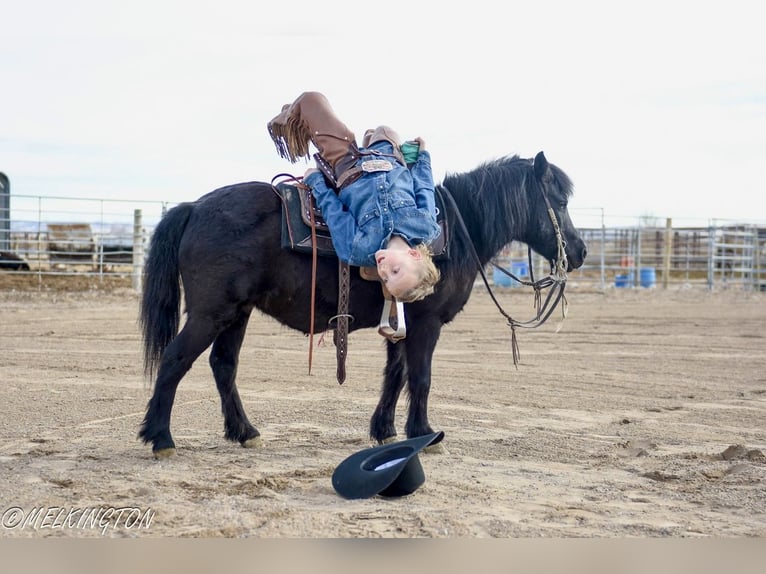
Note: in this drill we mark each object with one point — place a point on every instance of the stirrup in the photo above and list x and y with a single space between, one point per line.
392 324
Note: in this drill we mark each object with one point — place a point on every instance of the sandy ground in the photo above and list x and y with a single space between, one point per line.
644 416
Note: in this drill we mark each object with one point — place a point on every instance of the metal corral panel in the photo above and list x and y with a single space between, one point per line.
71 242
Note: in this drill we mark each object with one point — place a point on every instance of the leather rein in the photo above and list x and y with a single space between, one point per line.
556 280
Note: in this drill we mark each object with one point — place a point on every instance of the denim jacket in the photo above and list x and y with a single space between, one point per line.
367 212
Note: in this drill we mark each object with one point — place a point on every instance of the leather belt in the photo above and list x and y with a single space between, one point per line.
349 176
371 165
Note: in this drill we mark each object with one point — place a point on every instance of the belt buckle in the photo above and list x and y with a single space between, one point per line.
372 165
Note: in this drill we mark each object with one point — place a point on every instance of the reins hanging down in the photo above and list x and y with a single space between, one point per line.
556 280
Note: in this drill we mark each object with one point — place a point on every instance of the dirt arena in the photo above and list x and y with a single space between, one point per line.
643 416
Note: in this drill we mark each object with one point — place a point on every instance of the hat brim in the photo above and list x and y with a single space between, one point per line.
389 470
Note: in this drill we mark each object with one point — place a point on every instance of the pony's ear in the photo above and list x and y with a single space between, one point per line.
541 166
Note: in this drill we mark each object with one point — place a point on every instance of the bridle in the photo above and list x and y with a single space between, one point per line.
555 280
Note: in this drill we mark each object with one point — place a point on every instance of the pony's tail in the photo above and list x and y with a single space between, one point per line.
161 299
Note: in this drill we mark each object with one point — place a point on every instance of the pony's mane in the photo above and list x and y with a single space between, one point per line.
490 215
511 169
495 199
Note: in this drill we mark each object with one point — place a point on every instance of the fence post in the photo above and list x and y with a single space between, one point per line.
760 284
637 260
711 256
603 251
668 252
138 250
5 213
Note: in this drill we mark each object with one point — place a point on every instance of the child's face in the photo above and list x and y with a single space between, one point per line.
399 269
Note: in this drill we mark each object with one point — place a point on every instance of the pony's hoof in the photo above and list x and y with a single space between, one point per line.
164 453
389 440
255 442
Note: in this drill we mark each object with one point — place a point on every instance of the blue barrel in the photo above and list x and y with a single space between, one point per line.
623 280
519 268
501 279
647 277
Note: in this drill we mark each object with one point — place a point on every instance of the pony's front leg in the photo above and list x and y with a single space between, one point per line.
382 428
420 344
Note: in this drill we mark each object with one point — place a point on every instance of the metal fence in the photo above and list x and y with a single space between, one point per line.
719 255
49 236
100 237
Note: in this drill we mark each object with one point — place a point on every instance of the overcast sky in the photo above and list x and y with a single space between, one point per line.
652 108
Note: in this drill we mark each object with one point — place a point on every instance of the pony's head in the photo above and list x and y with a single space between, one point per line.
548 200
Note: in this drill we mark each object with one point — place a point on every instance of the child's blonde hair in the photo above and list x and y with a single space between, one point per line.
429 276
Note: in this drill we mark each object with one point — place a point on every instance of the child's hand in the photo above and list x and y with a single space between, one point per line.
309 171
421 143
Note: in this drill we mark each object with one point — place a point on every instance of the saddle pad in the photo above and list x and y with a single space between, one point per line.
297 205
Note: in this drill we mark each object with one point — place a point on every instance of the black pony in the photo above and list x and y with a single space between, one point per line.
225 248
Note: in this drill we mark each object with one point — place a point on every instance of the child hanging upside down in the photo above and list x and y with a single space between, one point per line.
380 212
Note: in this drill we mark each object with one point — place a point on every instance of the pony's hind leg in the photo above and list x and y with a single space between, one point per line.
177 359
382 428
223 360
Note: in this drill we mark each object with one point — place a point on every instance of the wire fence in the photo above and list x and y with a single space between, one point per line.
68 236
60 236
730 256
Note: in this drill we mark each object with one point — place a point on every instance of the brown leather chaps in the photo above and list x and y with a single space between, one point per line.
311 119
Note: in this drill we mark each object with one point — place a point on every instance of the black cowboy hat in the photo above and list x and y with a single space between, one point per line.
389 470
